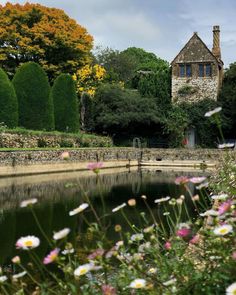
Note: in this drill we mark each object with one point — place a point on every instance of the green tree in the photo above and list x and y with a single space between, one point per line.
118 110
32 32
228 100
33 93
65 101
8 102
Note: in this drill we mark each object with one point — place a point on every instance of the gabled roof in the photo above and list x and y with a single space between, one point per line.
195 36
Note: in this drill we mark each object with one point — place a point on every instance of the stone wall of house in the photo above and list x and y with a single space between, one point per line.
198 89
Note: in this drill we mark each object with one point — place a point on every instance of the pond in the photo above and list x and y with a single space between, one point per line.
57 194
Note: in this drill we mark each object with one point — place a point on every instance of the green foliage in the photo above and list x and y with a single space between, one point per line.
8 102
86 111
206 129
35 105
117 109
228 100
186 90
65 101
175 124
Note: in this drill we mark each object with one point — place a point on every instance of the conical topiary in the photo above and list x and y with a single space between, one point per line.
33 93
8 102
65 102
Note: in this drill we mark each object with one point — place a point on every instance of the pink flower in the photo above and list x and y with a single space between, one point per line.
95 166
181 180
224 207
234 255
183 232
52 256
197 179
96 254
108 290
195 239
167 245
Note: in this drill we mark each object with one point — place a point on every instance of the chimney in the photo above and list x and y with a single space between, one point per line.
216 42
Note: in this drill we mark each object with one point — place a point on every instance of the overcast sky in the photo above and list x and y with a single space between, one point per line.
158 26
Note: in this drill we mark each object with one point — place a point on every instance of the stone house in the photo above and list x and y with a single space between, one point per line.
197 72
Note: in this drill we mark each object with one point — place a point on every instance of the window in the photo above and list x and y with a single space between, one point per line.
204 70
185 70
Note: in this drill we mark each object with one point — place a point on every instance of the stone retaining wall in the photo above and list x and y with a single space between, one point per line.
31 157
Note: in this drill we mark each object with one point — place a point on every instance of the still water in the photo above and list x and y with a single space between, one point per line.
57 194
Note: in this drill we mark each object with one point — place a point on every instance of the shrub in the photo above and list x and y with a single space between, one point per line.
35 105
8 102
65 104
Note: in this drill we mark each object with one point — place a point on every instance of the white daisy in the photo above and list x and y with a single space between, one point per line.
210 213
215 111
19 275
119 207
138 284
29 202
83 269
79 209
231 290
68 251
221 197
27 243
3 279
223 230
61 234
136 237
162 200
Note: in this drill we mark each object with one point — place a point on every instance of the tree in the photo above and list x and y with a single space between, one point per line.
65 100
228 100
117 110
32 90
32 32
8 102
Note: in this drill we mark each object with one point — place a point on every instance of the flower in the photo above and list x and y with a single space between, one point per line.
118 228
231 290
167 245
96 254
119 207
81 208
3 279
95 167
195 240
65 156
162 200
181 180
108 290
138 284
225 145
68 251
132 202
223 230
149 229
220 197
52 256
152 270
210 212
224 207
195 198
16 260
197 179
83 269
27 243
19 275
144 197
202 185
170 282
183 232
29 202
136 237
215 111
234 255
61 234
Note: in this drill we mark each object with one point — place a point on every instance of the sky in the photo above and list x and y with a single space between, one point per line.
159 26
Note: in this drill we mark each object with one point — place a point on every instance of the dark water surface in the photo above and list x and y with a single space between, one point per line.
59 193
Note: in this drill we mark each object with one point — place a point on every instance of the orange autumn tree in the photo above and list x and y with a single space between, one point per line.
32 32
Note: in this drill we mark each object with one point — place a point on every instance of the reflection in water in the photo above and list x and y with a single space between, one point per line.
57 197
